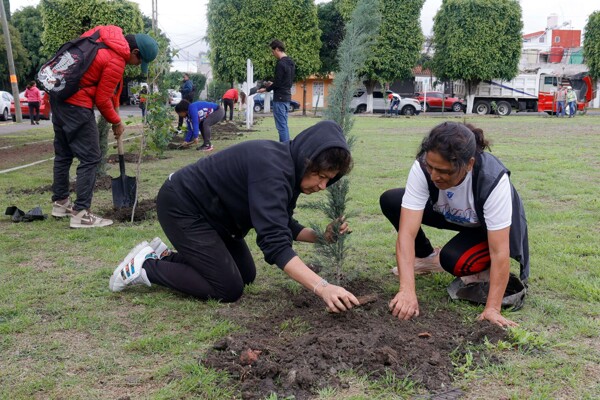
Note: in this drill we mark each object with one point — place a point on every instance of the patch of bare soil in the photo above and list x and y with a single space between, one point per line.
130 158
297 347
225 130
144 210
25 154
102 183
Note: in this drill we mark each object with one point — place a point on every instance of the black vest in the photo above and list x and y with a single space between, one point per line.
487 172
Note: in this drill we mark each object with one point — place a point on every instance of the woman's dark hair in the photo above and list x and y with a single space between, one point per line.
30 84
131 42
182 106
332 159
455 142
243 97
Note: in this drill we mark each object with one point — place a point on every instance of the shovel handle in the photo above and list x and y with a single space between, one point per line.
120 145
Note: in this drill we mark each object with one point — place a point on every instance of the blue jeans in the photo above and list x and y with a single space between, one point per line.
280 112
560 109
572 108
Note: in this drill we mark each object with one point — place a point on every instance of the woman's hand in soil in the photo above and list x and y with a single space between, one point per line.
404 305
344 228
337 298
495 317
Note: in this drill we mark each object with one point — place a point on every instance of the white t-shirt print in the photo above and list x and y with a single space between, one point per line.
457 203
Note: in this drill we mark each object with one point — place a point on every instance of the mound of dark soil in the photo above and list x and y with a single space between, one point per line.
144 210
298 348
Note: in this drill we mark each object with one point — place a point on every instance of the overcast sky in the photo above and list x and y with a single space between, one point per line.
184 21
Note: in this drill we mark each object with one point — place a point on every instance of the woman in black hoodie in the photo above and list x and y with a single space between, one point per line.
207 208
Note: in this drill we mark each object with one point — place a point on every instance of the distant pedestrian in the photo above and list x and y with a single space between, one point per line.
143 100
187 93
34 99
571 101
561 99
285 74
229 99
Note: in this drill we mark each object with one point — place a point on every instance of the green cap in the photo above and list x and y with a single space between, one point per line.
148 50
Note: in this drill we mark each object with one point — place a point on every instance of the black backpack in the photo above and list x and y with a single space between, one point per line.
60 76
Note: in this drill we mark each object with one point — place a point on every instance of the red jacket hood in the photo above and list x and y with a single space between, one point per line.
113 37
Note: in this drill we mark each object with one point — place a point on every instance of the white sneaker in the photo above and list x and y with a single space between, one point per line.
85 219
429 264
130 271
483 276
426 265
160 248
62 209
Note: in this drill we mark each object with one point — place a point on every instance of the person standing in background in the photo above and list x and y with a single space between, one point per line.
34 99
143 99
187 93
571 102
229 99
285 73
561 98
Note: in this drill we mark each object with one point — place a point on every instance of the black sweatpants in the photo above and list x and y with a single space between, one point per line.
34 111
467 253
75 135
228 103
215 117
206 265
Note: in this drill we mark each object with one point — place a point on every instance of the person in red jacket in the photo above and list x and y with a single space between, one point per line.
34 99
75 130
229 99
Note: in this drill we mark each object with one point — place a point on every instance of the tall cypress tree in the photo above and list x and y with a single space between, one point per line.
360 33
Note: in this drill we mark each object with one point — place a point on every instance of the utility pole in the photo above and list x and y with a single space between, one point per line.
11 63
154 15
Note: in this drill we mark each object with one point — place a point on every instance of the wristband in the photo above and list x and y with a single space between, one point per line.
322 283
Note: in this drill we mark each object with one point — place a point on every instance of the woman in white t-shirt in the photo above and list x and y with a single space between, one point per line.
454 184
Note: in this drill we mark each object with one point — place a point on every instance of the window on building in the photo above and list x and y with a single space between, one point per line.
557 39
542 39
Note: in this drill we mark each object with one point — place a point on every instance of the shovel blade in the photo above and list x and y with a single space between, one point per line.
124 191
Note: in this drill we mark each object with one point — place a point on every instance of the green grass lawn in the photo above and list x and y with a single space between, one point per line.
64 335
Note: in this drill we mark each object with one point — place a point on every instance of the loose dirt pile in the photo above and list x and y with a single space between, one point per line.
298 348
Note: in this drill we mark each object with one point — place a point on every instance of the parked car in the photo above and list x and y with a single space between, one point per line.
408 105
174 97
259 102
435 100
5 100
45 112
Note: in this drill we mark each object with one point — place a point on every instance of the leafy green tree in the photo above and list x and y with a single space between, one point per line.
28 21
398 44
360 33
591 44
242 29
331 24
476 40
20 56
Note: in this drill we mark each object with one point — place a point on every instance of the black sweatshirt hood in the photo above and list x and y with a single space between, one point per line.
312 141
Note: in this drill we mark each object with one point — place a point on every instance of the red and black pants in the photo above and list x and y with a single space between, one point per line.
467 253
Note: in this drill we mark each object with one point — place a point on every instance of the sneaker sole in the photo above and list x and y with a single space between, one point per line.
78 225
58 214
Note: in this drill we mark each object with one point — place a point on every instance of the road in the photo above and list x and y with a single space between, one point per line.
8 127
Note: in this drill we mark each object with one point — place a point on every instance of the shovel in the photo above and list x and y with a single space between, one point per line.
123 187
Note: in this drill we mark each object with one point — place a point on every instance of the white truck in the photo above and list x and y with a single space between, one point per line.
528 91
